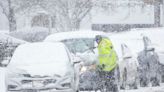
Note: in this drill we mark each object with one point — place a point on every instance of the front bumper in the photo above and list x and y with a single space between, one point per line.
52 90
31 85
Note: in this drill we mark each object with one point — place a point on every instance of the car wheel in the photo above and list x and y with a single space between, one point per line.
124 83
155 82
135 85
117 79
144 82
75 83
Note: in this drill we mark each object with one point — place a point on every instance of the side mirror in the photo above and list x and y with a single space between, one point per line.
75 59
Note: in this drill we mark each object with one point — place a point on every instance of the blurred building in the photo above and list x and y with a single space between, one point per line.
124 14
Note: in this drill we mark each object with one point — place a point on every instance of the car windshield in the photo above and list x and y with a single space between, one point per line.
79 45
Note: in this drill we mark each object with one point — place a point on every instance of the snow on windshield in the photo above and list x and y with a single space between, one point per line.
39 53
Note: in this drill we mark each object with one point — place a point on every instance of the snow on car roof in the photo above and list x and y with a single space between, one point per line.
73 34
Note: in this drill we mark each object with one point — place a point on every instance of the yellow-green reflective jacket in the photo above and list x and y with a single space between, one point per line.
107 55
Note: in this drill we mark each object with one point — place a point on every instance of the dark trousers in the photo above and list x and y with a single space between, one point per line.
108 81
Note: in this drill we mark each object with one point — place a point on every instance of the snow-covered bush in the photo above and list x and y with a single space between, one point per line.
7 47
34 34
6 50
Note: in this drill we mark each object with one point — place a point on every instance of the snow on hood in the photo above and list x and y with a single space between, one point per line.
73 34
41 58
48 69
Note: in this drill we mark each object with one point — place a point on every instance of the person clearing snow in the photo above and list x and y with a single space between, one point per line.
128 69
107 65
148 64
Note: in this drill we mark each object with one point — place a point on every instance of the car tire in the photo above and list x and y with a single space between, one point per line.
135 85
124 82
155 82
144 82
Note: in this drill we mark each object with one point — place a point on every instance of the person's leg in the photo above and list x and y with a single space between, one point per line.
111 82
101 81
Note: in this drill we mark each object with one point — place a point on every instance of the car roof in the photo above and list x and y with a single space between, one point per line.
72 35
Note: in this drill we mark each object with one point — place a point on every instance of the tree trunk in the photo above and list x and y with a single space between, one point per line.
157 11
75 25
163 13
11 18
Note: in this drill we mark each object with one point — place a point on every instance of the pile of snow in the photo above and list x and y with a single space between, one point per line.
31 34
6 38
4 31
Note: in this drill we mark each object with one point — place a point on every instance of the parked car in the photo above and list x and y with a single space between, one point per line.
149 64
81 43
42 66
128 69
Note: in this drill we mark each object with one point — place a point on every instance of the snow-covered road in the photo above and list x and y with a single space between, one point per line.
145 89
2 78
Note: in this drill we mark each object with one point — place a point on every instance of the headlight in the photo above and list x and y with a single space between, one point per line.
14 85
83 69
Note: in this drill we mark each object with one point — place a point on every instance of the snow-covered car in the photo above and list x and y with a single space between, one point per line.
76 41
81 43
42 66
161 60
128 69
149 64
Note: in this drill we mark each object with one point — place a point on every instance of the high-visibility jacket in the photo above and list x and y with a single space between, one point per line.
107 55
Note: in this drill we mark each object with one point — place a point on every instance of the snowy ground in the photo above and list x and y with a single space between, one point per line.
2 78
145 89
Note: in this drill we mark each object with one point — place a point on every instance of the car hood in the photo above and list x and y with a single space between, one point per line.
50 69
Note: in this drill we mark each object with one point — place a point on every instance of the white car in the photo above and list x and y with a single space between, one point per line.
128 69
81 43
78 42
42 66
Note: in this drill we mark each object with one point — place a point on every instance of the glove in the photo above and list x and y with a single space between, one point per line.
100 67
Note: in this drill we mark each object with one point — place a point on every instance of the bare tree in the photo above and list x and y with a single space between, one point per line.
11 7
9 12
68 13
